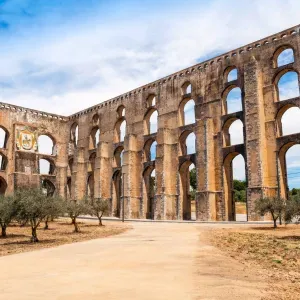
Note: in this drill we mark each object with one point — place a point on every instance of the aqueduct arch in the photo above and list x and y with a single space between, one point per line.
110 151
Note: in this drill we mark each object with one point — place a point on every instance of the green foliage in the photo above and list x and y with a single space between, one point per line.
33 206
98 208
239 187
292 211
76 208
193 179
55 209
8 210
274 205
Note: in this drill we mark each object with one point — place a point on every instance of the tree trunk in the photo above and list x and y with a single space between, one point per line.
100 221
3 234
46 224
280 220
34 238
76 228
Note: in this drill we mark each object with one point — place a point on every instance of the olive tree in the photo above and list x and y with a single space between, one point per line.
99 207
76 208
8 210
292 211
273 205
33 206
55 209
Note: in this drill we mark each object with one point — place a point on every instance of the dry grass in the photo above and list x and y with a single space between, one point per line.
275 254
59 233
240 208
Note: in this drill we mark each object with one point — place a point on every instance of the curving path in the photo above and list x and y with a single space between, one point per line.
151 261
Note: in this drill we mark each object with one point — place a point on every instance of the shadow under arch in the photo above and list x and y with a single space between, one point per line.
149 192
229 200
117 193
185 197
3 185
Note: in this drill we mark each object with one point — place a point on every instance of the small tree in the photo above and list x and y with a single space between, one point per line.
8 210
273 205
292 210
98 208
55 209
33 206
76 208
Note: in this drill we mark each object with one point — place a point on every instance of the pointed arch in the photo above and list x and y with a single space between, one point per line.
151 121
3 137
46 144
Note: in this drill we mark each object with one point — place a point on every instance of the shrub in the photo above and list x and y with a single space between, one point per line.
33 206
8 210
76 208
99 207
273 205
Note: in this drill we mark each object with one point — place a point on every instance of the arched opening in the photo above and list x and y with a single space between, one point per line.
70 166
118 157
3 162
188 186
231 74
95 119
69 189
91 186
187 112
292 158
235 187
94 138
288 86
283 56
117 192
233 101
3 186
120 131
290 121
149 191
121 111
48 187
3 137
151 101
74 134
150 122
289 170
187 143
186 88
45 145
46 167
92 162
233 132
150 150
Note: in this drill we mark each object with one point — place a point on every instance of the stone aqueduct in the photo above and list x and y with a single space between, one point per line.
105 149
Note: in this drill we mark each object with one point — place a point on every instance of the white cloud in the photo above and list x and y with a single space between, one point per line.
72 67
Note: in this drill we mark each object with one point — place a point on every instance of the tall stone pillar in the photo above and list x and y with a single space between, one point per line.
205 161
131 169
80 173
166 166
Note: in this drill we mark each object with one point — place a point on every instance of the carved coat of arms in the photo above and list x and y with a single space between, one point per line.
26 140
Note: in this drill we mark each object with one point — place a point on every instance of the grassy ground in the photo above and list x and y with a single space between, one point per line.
275 253
59 232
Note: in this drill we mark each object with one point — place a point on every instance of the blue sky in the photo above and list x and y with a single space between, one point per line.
62 56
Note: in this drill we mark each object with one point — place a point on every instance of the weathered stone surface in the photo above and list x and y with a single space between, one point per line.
95 167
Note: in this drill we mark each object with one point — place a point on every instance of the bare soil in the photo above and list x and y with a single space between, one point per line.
59 233
274 254
240 208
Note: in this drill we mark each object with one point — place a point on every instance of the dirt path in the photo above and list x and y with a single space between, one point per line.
151 261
